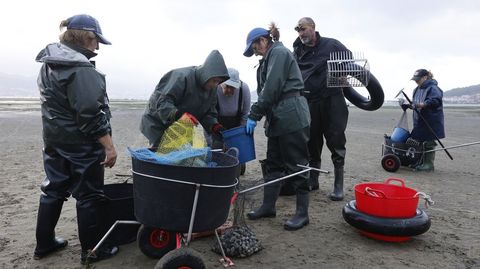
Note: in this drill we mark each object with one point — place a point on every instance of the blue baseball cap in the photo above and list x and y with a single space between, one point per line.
87 23
251 37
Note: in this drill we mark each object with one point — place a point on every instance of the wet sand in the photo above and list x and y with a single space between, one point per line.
453 240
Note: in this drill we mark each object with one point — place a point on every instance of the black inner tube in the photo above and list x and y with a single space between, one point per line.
416 225
374 89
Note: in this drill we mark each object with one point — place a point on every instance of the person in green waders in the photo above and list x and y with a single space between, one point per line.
287 126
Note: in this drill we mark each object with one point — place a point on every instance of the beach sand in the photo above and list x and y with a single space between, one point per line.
453 240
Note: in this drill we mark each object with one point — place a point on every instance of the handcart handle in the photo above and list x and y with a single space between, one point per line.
395 179
275 180
314 169
374 192
186 182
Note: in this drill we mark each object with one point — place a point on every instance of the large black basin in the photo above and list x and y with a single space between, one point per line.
164 204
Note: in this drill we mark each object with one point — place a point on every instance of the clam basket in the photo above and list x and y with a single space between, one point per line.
347 69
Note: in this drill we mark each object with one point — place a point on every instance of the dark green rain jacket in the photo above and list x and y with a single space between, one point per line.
73 96
278 76
182 90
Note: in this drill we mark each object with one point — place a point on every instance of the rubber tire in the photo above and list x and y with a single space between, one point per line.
376 95
155 249
182 257
391 162
416 225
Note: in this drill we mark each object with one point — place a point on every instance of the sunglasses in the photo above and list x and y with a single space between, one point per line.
301 27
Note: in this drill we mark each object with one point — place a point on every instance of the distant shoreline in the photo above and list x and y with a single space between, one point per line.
32 102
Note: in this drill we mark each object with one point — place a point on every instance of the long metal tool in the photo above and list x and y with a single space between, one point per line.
426 124
454 147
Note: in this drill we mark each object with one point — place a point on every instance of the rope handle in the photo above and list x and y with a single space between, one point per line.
402 182
426 197
374 192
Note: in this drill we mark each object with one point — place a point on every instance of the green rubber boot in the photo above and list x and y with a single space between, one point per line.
428 158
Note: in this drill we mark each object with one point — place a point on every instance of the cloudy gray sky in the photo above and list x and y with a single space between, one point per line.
152 37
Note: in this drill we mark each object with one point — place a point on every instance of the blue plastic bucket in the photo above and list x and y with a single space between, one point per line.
399 135
237 137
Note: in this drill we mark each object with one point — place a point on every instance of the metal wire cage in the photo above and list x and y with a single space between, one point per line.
347 69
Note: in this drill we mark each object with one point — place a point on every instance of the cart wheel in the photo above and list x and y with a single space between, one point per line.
391 162
182 258
155 243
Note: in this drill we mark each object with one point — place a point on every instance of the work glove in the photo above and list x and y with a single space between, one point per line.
403 104
187 117
250 126
217 130
406 106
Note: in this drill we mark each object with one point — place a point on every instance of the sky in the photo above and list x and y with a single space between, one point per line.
152 37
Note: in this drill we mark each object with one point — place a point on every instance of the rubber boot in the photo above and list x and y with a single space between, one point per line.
313 180
91 228
301 214
270 196
428 159
48 214
337 194
286 188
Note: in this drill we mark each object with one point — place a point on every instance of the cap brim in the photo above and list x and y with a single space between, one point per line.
103 40
233 84
248 50
415 78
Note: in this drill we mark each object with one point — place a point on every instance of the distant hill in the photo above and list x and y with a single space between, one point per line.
465 95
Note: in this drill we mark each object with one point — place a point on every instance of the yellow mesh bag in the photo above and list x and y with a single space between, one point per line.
183 133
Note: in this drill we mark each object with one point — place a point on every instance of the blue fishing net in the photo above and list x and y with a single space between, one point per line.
185 156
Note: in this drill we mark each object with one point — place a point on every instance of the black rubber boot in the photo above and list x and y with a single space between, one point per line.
91 228
48 214
270 196
301 214
313 180
243 168
337 194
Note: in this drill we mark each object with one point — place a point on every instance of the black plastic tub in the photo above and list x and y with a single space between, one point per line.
163 203
120 207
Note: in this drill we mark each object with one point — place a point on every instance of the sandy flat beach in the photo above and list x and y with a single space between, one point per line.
453 240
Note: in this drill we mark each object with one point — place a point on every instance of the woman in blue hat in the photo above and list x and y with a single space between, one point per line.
77 138
287 123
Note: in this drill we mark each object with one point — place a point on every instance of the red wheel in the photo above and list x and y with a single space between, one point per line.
391 162
155 243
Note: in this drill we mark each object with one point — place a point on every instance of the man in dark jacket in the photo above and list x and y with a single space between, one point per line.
328 109
190 90
77 138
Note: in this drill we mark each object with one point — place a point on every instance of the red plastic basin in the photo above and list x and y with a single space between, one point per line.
386 199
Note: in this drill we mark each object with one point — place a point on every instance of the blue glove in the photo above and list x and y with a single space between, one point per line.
250 126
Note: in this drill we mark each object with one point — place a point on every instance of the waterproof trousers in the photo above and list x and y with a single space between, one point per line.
329 120
75 169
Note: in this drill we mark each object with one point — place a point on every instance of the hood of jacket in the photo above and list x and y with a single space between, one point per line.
214 66
428 83
61 54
